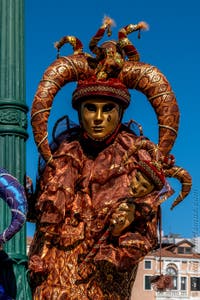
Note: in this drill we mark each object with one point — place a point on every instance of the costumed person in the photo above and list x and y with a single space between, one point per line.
12 192
100 185
8 288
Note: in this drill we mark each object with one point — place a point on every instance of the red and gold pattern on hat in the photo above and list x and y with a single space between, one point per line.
112 88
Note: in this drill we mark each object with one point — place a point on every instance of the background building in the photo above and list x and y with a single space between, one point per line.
181 261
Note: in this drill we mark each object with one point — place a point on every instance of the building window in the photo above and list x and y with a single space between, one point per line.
183 283
184 250
188 250
195 283
173 272
147 282
180 250
147 264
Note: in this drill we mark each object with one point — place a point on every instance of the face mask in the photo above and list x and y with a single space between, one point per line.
99 118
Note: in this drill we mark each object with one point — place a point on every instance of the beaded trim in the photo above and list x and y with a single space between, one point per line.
151 171
81 92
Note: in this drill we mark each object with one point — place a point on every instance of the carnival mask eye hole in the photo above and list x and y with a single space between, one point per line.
145 185
108 107
137 176
90 106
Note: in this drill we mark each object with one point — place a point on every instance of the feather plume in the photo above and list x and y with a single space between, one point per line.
143 25
108 21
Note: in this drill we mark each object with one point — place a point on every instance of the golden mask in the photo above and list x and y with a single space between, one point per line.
99 118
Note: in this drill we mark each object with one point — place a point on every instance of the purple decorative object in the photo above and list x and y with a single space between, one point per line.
12 192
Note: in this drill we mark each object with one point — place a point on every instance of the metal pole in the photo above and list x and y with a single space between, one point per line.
13 124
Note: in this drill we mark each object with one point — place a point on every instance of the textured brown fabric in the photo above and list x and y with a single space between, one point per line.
74 207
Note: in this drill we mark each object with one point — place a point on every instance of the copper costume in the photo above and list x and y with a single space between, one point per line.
74 254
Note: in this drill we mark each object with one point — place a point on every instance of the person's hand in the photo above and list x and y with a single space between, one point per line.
140 185
122 218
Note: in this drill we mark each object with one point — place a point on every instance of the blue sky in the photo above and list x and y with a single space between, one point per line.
171 44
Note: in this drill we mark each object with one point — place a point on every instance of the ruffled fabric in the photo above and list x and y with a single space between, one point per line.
75 203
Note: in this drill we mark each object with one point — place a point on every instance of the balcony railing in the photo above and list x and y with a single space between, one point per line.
171 294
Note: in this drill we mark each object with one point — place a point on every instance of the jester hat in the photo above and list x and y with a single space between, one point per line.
111 72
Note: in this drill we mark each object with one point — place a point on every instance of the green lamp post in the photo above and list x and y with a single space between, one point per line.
13 124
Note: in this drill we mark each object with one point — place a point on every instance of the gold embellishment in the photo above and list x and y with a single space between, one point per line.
124 42
127 161
113 166
51 81
141 75
91 89
186 183
160 94
73 66
40 111
134 57
67 189
123 30
142 144
177 171
155 177
168 127
180 196
44 138
72 40
131 28
153 149
102 75
50 159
